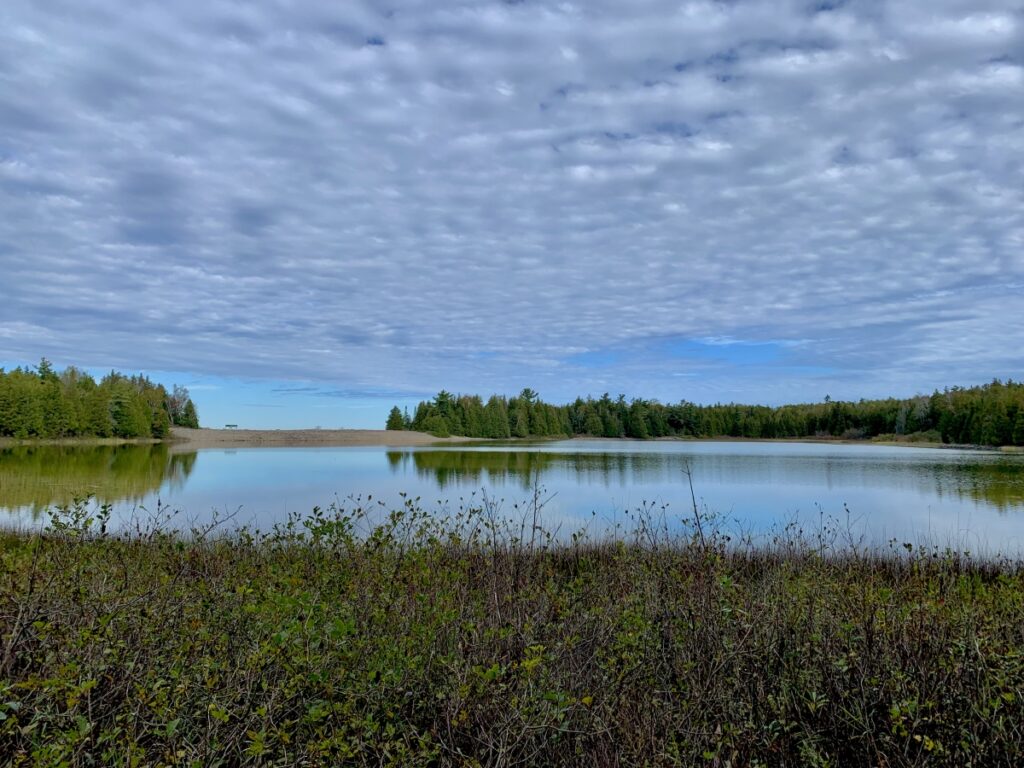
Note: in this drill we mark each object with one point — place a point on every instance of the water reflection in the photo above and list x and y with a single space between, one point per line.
999 484
900 492
35 478
983 478
447 468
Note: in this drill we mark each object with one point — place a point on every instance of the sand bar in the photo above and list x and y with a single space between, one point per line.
195 439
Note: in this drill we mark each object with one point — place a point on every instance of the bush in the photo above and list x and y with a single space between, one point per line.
364 636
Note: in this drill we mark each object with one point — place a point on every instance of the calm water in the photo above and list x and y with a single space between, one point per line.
966 498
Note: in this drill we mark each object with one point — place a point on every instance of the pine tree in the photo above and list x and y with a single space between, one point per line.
395 420
496 418
189 417
128 412
1018 428
520 422
636 424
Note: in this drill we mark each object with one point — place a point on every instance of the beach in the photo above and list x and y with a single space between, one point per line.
196 439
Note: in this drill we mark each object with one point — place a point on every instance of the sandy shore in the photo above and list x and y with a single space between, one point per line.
194 439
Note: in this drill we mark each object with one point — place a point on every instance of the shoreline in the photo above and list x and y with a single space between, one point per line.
183 439
812 440
81 442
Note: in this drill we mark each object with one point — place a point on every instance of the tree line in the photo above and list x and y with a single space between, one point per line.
43 403
991 414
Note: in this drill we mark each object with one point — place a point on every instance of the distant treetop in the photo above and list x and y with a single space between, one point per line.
991 414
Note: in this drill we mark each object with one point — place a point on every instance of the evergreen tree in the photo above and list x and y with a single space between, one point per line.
496 422
43 403
395 420
97 413
636 426
190 418
520 420
1018 428
436 425
128 415
981 415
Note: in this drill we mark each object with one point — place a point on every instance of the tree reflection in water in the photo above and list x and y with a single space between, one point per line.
994 481
41 476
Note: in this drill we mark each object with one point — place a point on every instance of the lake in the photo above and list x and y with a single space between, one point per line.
967 499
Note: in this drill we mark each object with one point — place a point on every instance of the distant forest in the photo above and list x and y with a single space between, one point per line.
43 403
992 414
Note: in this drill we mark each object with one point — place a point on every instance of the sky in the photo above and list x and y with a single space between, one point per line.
307 212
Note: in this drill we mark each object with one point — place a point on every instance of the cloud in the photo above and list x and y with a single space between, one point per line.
479 195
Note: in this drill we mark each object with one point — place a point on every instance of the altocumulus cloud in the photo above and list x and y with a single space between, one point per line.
483 195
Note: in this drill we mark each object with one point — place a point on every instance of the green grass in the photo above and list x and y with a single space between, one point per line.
336 640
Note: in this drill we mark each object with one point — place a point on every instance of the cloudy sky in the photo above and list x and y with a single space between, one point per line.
307 211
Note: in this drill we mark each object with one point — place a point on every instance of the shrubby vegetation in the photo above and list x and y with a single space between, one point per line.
360 637
46 404
992 414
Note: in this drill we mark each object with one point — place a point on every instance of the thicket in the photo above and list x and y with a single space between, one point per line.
43 403
361 638
992 414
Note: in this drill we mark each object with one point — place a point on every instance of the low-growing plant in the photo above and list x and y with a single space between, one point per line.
365 635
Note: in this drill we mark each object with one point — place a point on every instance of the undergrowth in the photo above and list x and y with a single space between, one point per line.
348 638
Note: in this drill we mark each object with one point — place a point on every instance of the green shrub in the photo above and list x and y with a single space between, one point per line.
368 636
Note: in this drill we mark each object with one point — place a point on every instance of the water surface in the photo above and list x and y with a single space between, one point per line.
970 499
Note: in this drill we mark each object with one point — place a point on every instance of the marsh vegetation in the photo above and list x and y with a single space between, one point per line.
373 636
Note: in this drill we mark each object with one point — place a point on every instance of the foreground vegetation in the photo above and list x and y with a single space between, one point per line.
365 637
992 414
43 403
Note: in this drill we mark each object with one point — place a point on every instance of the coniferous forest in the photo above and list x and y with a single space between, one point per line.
43 403
992 414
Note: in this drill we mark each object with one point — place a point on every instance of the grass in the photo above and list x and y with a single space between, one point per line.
346 638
